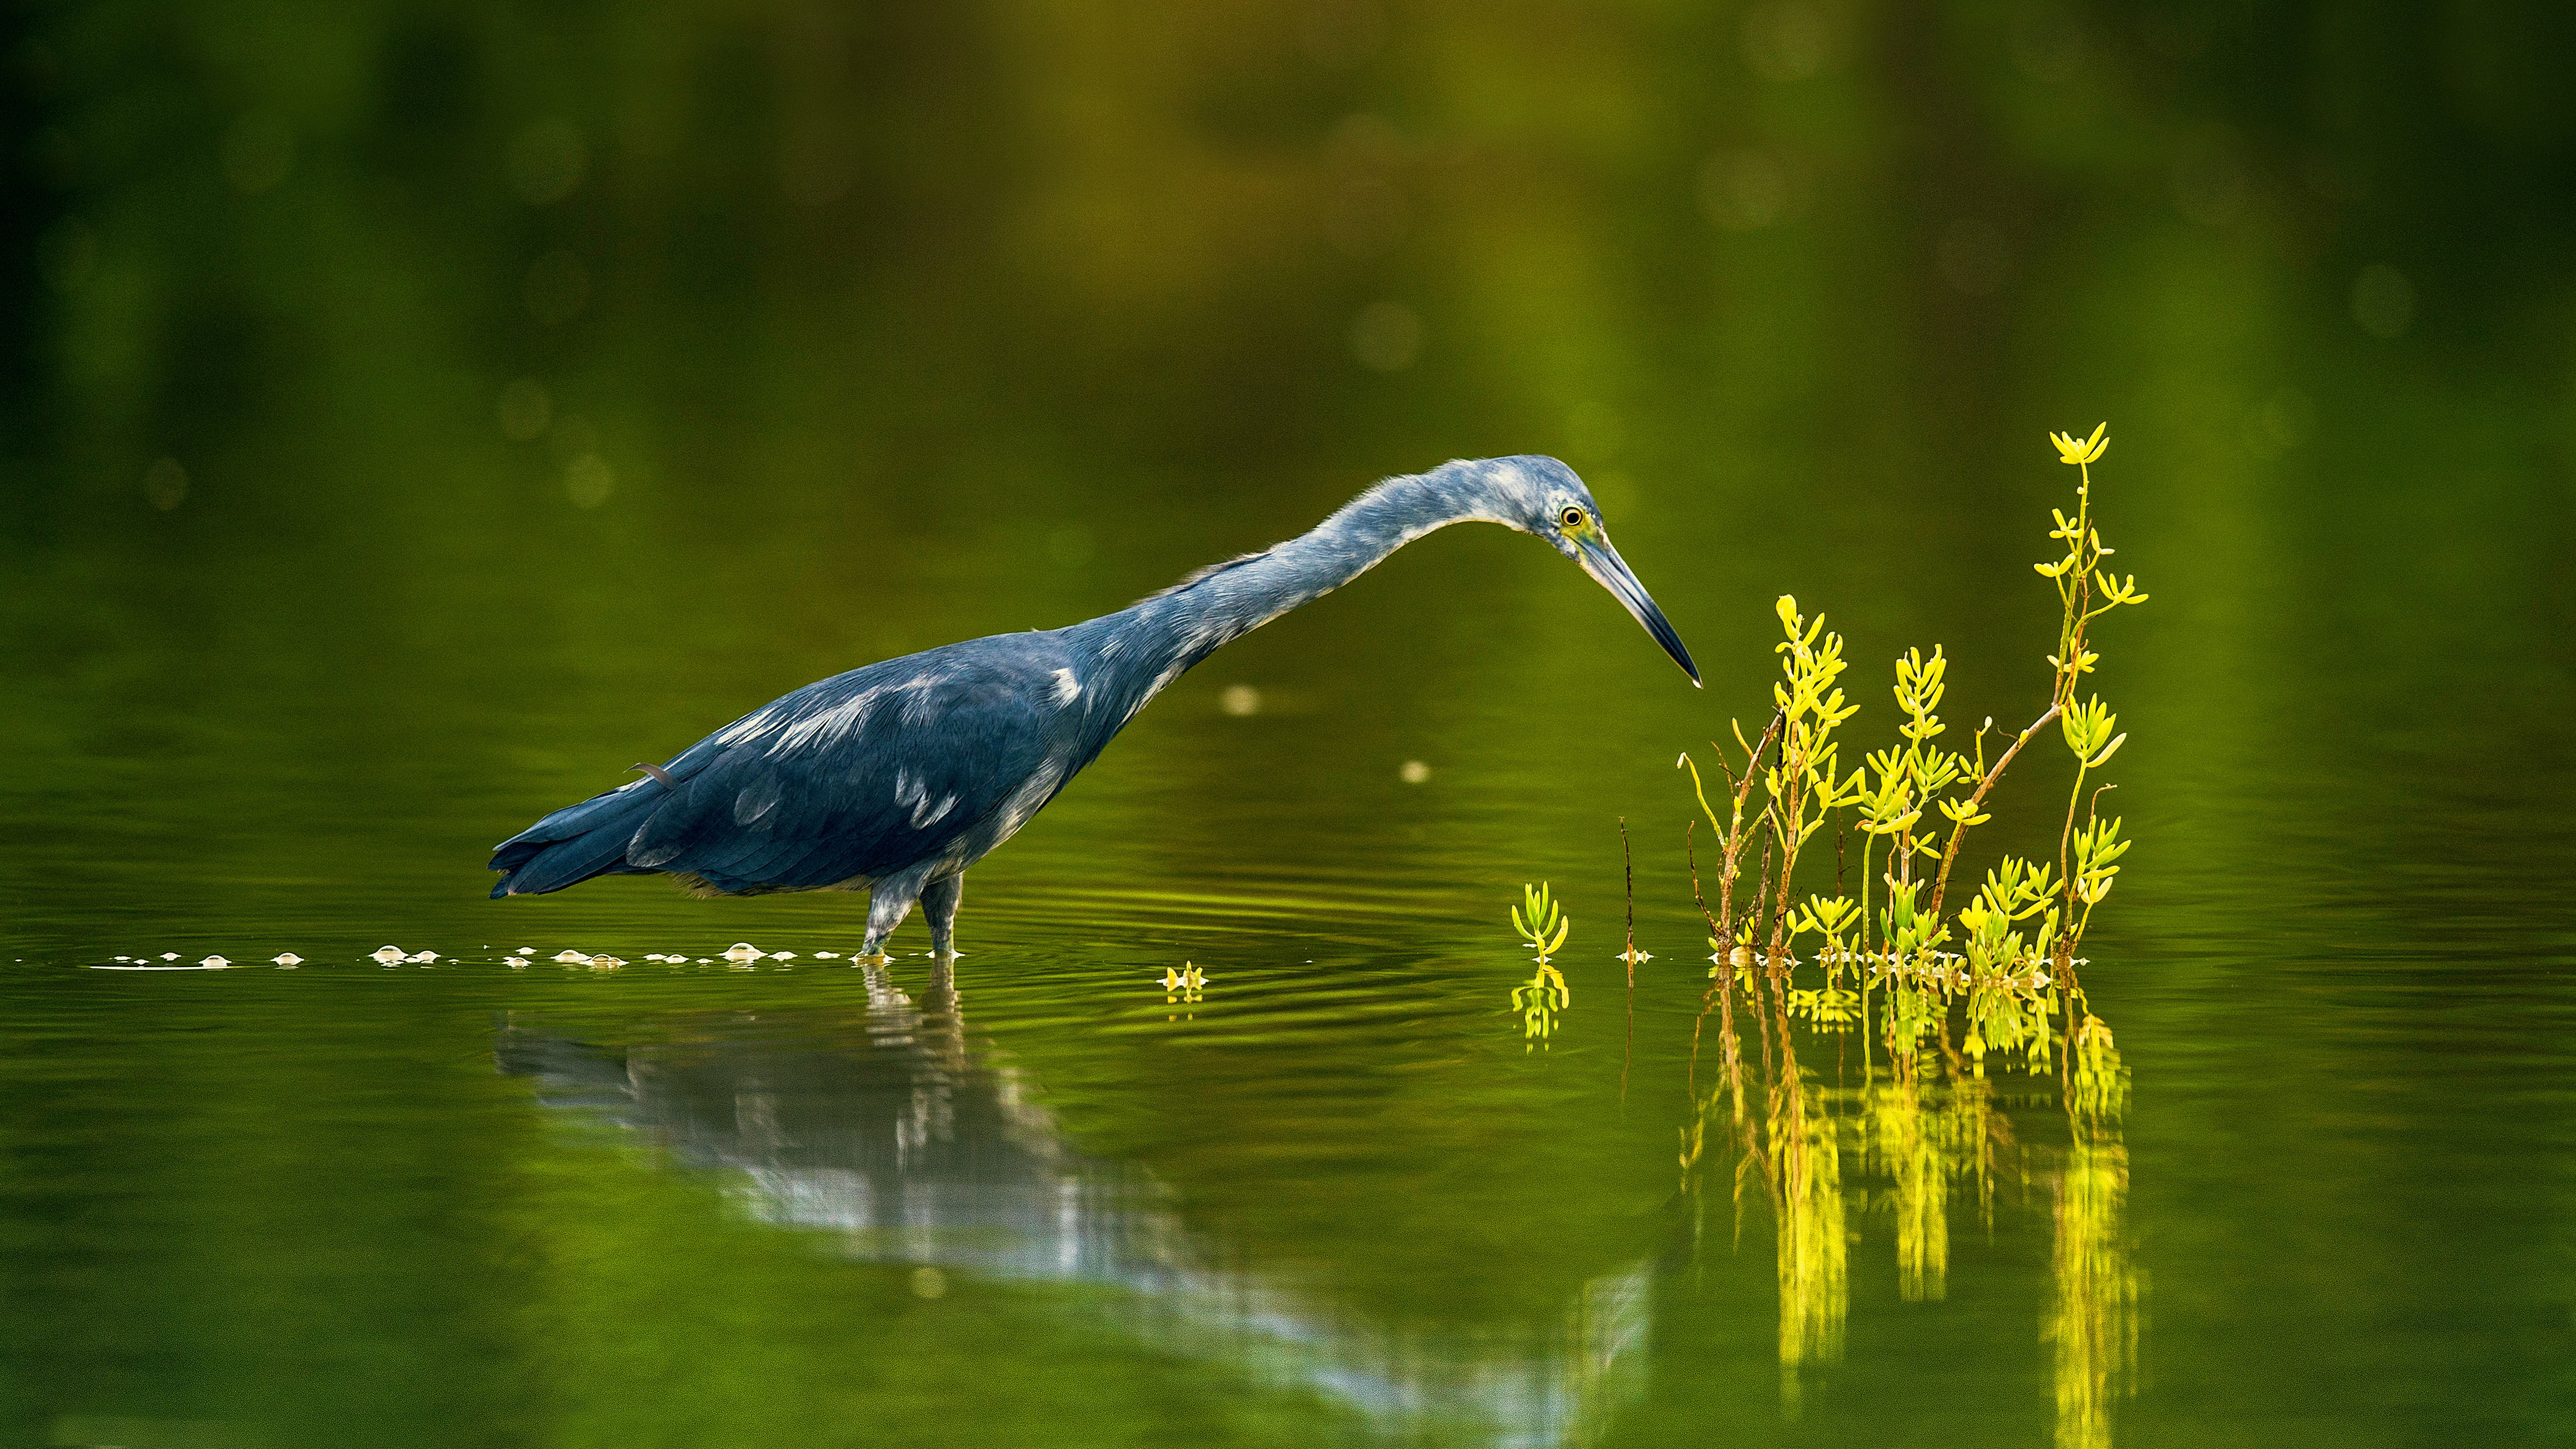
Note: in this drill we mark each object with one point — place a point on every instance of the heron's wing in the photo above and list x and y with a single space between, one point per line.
860 775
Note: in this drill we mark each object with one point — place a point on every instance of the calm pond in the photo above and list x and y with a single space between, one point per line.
426 507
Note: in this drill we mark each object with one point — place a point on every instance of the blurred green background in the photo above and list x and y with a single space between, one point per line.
571 362
412 414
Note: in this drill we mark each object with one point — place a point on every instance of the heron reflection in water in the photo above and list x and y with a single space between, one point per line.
883 1125
899 776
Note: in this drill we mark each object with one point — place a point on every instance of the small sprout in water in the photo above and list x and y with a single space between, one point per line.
283 958
215 961
742 951
388 955
1187 978
1539 921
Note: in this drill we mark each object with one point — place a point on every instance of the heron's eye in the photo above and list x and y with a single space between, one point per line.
1572 517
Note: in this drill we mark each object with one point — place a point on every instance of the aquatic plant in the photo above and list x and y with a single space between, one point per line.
1543 925
2009 953
1540 921
1184 983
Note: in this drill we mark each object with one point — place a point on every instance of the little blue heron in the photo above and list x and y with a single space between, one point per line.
897 777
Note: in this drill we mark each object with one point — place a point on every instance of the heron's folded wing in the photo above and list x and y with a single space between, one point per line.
853 777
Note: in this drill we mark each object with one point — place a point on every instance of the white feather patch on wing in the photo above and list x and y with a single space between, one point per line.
827 725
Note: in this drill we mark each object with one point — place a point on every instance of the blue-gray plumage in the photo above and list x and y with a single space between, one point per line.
899 776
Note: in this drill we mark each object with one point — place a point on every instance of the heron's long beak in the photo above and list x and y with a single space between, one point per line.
1611 572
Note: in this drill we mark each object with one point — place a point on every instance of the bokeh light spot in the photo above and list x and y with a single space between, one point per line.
1386 336
1747 190
546 161
1787 42
165 484
2278 423
588 481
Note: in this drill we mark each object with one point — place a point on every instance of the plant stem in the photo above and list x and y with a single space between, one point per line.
2065 837
1628 883
1941 882
1690 853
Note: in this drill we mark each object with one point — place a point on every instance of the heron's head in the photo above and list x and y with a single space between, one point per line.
1542 496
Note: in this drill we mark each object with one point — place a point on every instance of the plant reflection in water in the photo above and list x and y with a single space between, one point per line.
1542 925
1912 1144
887 1127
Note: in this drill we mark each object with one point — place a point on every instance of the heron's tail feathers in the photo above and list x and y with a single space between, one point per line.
576 843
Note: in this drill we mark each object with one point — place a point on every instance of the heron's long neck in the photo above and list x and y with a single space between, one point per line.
1149 645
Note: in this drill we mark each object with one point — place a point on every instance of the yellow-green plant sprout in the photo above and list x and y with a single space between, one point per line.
1805 784
2082 580
1540 922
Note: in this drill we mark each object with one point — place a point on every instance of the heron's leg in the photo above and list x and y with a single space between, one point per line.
939 902
889 901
